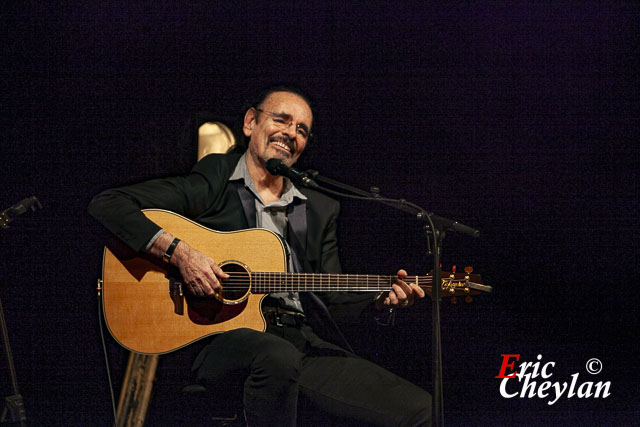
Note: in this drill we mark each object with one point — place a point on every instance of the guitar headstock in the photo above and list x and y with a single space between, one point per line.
461 285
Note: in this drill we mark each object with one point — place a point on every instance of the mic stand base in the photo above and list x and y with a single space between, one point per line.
14 408
14 405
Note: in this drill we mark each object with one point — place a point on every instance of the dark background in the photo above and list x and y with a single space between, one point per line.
519 120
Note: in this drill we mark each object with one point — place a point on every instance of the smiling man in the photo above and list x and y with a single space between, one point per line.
302 357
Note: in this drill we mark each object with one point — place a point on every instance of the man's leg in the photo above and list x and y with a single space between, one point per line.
343 384
262 368
359 390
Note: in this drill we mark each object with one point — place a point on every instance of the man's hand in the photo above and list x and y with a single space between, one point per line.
200 274
400 295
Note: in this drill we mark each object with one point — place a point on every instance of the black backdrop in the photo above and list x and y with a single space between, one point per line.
516 119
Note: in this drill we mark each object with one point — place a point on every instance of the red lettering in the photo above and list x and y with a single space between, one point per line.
506 364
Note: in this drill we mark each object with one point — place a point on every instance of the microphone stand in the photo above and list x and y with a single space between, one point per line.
14 405
435 226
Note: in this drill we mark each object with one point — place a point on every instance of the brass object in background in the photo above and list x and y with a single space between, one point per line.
214 137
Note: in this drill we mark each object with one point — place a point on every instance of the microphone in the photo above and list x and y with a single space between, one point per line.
8 215
276 167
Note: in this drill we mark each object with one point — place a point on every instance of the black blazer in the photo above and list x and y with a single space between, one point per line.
207 197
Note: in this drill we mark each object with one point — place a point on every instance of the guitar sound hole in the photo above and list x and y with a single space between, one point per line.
236 287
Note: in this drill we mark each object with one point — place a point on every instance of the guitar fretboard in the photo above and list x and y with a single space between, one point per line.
267 282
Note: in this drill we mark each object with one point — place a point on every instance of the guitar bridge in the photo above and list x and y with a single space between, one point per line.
177 296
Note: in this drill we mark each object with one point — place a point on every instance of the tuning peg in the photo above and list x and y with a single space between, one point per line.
468 299
468 269
453 272
454 300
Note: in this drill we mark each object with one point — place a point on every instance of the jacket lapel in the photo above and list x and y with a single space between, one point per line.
297 234
248 203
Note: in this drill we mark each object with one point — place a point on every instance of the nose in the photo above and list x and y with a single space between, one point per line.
291 130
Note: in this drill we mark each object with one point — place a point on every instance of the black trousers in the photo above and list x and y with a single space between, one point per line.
290 369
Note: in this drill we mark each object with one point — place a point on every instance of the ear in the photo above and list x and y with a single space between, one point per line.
249 121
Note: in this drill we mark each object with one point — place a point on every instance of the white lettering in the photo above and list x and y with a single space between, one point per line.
543 387
531 387
600 386
523 369
503 389
585 393
574 380
544 369
559 392
536 366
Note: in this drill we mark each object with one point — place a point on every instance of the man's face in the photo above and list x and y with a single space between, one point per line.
280 130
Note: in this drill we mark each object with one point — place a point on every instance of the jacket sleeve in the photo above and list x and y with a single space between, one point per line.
119 209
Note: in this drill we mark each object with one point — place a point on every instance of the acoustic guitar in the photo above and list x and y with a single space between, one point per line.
147 311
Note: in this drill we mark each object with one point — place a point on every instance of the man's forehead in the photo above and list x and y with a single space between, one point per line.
287 103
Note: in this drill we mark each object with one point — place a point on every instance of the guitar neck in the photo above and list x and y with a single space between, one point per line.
268 282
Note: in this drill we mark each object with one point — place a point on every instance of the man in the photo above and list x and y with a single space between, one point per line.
303 354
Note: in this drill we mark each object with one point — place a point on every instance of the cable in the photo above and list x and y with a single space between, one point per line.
104 349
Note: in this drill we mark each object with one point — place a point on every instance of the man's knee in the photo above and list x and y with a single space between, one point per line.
277 360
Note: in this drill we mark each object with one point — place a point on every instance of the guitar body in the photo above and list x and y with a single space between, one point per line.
143 306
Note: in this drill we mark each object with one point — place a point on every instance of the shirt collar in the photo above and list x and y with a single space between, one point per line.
241 172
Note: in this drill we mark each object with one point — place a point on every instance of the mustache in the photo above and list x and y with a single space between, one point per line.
287 140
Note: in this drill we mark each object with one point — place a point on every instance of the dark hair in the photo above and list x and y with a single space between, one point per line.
242 141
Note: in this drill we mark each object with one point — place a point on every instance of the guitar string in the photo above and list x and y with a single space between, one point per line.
312 279
351 282
321 277
294 280
318 287
269 282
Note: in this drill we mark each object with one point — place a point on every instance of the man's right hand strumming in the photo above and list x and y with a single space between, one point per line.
200 273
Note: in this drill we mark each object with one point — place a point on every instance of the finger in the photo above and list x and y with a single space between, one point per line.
417 290
405 287
393 298
400 292
211 284
195 290
203 281
402 273
217 270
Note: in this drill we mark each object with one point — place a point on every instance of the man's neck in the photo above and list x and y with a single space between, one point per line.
269 187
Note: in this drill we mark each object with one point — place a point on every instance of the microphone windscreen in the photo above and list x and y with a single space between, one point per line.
274 166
